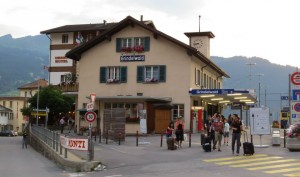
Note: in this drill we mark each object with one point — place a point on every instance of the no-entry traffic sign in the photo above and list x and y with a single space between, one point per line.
90 116
295 78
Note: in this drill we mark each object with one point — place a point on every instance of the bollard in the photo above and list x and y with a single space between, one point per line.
56 141
100 135
161 139
53 140
106 136
66 153
190 139
119 139
284 140
137 138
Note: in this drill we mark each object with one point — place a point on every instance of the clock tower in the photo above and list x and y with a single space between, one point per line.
201 41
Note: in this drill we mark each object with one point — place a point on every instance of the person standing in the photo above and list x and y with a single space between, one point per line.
226 132
170 130
62 124
219 130
24 140
236 127
179 131
70 123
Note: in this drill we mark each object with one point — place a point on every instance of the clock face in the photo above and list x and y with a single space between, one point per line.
198 43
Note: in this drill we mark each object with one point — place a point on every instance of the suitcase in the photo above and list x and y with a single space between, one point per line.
207 147
171 143
206 143
247 146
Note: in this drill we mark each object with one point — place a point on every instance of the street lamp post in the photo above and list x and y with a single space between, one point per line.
259 88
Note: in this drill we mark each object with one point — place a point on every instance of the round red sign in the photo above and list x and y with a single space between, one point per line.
90 116
295 78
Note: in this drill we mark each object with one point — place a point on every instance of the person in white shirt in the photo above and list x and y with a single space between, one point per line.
62 124
226 131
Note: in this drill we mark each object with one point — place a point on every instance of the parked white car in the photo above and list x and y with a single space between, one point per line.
293 137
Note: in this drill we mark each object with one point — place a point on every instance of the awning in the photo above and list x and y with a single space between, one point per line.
225 96
137 98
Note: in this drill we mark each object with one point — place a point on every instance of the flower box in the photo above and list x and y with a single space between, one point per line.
112 81
151 80
138 48
126 49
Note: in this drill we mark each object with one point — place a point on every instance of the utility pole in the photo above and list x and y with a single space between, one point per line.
37 103
250 72
259 75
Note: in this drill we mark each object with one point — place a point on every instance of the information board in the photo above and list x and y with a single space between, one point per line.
260 121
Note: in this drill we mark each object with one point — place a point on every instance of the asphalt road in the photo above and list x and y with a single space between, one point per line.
151 160
18 162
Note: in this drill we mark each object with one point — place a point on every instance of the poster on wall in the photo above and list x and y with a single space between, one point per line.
143 121
260 121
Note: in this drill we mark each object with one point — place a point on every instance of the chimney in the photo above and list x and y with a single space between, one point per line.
141 18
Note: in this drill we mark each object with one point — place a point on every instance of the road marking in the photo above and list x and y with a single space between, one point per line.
247 160
234 158
114 176
283 170
270 164
293 175
76 174
276 166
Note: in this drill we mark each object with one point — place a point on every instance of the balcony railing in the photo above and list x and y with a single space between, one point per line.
68 87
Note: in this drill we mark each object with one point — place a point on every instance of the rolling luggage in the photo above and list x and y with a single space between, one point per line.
247 146
206 143
171 143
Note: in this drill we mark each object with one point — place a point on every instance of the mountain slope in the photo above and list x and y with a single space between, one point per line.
22 61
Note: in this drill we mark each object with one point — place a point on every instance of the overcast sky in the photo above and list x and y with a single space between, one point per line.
269 29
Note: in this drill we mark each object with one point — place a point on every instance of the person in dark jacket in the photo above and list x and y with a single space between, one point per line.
24 140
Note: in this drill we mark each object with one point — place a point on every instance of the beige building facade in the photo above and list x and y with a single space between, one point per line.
135 67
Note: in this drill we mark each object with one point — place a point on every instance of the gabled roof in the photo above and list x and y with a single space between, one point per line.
87 27
76 52
5 109
35 84
79 28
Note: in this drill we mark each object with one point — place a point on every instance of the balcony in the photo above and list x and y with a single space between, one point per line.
68 87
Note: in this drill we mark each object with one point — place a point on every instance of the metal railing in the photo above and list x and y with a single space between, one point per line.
50 138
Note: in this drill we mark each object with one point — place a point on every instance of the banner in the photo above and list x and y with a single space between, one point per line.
74 143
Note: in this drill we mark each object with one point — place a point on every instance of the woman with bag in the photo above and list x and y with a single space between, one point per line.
170 130
179 131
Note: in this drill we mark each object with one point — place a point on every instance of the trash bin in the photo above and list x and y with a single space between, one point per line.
276 138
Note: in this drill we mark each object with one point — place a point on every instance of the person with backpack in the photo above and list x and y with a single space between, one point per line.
179 131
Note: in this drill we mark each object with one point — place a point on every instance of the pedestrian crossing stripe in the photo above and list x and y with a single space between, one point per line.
234 158
283 170
275 166
264 163
268 164
293 175
248 160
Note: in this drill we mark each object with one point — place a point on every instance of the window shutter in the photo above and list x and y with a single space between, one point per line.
140 74
162 73
196 76
118 45
147 44
102 74
123 77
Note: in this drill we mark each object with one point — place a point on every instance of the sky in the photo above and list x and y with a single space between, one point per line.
268 29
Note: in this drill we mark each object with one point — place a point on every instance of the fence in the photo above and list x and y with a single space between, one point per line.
51 138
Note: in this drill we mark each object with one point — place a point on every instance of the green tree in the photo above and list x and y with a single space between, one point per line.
52 98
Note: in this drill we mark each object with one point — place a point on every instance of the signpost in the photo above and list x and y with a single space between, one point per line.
90 116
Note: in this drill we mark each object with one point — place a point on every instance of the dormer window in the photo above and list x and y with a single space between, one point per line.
133 44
